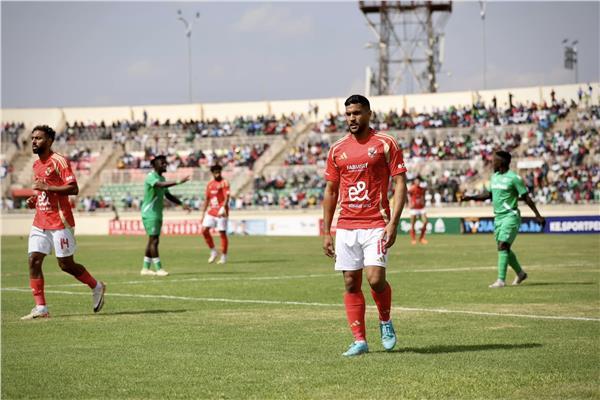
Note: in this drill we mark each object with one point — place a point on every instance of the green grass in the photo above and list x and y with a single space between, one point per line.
160 338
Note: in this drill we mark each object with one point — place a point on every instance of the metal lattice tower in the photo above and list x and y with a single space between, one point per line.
410 43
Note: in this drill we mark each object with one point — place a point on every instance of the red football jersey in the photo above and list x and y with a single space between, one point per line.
53 210
416 197
363 170
216 193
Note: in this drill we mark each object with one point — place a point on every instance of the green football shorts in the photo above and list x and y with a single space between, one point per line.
506 228
152 226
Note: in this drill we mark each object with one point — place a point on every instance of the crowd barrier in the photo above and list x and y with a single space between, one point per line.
313 226
442 221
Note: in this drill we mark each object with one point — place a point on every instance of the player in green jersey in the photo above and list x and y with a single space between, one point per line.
506 188
155 189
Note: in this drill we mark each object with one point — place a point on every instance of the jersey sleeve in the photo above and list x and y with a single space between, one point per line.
332 172
519 185
151 180
225 188
65 172
396 160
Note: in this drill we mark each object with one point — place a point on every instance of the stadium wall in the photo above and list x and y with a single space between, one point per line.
57 117
276 222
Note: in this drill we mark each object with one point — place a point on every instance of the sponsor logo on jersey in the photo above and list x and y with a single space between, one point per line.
357 167
499 186
343 156
358 192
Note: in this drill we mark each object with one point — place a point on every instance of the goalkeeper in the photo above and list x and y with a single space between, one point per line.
506 188
215 213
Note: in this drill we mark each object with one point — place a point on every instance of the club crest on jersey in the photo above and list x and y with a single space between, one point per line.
372 151
48 171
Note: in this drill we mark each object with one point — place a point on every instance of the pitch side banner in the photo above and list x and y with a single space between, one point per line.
134 227
189 227
437 225
486 225
578 225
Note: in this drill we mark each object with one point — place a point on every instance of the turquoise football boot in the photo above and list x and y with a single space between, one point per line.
388 335
356 349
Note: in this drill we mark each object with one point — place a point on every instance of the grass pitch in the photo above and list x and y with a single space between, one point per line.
270 323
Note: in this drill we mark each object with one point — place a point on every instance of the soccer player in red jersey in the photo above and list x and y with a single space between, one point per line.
359 167
215 213
416 204
53 223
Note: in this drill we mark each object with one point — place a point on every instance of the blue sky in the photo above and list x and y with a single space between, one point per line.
57 54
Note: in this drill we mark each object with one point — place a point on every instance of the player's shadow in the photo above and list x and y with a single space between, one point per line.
466 348
209 272
138 312
558 283
263 261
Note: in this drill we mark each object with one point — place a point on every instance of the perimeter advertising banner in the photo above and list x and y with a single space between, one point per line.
436 225
578 225
486 225
187 227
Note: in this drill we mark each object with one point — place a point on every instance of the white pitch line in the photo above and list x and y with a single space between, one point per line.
266 278
284 277
300 303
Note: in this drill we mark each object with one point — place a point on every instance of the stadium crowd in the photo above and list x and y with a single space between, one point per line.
124 130
477 115
9 133
566 168
234 156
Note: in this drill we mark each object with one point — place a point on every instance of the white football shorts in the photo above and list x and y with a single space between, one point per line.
44 240
220 223
417 212
358 248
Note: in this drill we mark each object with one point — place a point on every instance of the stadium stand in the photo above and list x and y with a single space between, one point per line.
278 161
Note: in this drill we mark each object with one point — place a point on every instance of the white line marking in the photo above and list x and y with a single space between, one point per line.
300 303
284 277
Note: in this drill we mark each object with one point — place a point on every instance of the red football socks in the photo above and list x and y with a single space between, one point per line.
37 287
87 279
224 242
384 302
355 311
208 239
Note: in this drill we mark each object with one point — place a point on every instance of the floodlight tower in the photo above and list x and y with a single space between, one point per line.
409 41
571 56
188 34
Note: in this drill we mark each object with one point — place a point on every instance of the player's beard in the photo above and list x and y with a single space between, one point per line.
36 150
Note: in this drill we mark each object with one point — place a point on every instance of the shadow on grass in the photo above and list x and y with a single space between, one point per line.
557 283
267 261
466 348
207 272
140 312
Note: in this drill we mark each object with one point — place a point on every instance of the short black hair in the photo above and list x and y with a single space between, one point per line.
46 129
216 167
505 156
158 157
358 99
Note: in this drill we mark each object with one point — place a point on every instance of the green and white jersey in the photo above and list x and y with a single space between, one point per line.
152 206
506 189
